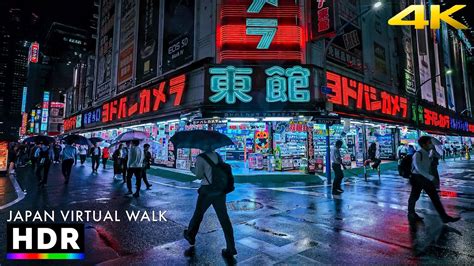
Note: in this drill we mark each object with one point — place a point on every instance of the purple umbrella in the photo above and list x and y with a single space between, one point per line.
131 135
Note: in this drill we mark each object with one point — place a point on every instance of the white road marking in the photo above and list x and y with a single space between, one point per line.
19 192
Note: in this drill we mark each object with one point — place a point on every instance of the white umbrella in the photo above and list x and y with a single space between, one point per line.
438 145
131 135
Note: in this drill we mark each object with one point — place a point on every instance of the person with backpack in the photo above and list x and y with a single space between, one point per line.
421 179
217 180
43 161
95 155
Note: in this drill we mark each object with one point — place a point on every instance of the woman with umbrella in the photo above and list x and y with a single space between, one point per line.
207 141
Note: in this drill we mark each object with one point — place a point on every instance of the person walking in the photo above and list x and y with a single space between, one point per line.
68 158
43 161
337 165
203 171
374 155
105 157
57 151
146 164
421 179
124 156
95 155
33 157
135 167
117 162
82 154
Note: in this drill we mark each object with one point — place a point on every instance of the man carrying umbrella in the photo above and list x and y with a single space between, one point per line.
95 155
69 157
135 167
206 162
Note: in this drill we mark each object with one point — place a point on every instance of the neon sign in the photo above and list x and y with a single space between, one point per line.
356 95
34 53
255 30
323 19
92 117
235 84
70 123
23 99
45 112
432 118
145 100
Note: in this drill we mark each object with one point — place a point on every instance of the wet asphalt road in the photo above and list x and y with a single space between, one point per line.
283 224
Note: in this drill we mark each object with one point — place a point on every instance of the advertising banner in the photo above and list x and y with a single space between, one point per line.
407 56
346 50
447 65
439 89
424 64
105 42
147 50
45 112
178 35
126 45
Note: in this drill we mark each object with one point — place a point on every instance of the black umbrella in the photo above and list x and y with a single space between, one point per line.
77 139
200 139
39 139
94 140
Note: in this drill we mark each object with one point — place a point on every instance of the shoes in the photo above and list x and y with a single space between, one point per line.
228 254
129 193
450 219
335 192
148 187
414 217
136 195
339 190
190 239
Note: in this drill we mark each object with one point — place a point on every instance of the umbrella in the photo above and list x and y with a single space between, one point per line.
131 135
39 139
77 139
104 144
200 139
94 140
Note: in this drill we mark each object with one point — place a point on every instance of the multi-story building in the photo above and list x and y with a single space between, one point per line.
274 76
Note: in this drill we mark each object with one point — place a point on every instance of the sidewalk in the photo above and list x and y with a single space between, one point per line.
10 191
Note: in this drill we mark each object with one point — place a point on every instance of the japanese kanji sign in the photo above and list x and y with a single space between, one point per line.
253 30
273 87
433 119
355 95
322 19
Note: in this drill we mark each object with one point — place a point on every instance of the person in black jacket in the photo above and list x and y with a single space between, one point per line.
146 164
117 162
95 154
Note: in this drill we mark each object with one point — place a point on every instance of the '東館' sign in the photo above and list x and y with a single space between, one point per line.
356 95
272 88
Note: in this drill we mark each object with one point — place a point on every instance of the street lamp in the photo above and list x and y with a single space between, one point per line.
448 72
375 6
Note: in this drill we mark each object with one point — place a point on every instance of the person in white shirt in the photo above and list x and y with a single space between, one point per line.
337 165
422 179
203 171
135 167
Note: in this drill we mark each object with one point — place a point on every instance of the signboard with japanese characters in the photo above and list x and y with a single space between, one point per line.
323 19
346 50
256 30
407 56
351 95
430 119
92 117
126 45
178 35
164 96
260 88
105 44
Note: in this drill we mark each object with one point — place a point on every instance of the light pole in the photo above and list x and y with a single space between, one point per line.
375 6
417 99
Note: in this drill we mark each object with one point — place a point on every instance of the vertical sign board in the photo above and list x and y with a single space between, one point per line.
407 56
106 40
24 124
323 22
147 50
445 42
178 34
256 31
127 45
424 63
37 121
32 121
346 49
3 156
440 92
45 112
33 53
23 99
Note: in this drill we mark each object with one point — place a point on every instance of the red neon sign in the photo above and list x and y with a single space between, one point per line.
145 100
432 118
322 18
234 40
356 95
70 123
34 52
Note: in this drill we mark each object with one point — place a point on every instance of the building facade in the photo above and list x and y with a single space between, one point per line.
275 76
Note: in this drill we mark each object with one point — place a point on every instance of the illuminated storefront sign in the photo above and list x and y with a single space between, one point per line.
70 123
165 94
34 53
32 121
92 117
253 30
323 19
260 87
356 95
79 121
24 123
430 118
23 99
45 112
